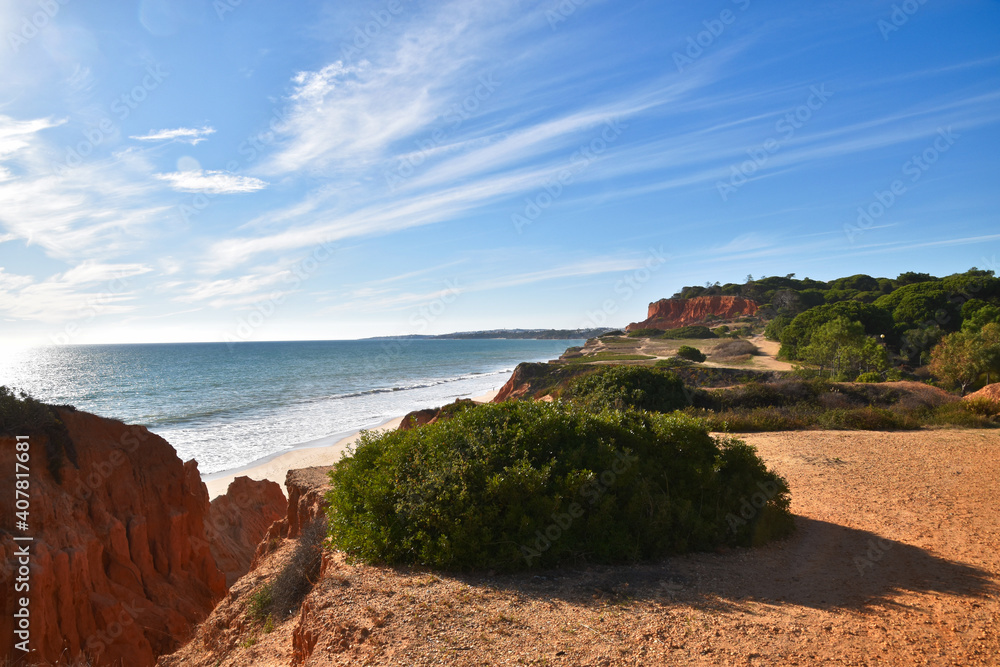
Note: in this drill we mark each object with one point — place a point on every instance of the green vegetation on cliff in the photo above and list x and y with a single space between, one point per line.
907 317
619 387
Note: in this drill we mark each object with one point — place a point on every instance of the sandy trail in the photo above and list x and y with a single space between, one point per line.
768 357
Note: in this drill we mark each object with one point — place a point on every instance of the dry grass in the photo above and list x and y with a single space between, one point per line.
734 348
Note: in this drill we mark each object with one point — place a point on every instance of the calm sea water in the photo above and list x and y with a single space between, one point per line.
229 405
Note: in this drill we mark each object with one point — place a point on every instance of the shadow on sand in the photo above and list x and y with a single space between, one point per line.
823 565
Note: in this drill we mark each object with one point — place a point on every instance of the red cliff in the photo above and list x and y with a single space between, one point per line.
288 547
674 313
121 569
307 489
238 520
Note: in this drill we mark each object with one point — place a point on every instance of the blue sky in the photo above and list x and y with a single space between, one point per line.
209 171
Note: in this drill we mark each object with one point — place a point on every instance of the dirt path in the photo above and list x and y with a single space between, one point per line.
768 357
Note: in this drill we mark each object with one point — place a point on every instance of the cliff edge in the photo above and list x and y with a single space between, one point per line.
674 313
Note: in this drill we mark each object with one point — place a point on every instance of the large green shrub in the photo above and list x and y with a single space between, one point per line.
869 418
621 387
527 484
690 353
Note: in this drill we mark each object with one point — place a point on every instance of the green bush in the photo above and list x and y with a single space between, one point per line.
517 485
964 414
867 419
691 353
981 405
672 362
694 331
760 395
620 387
261 601
755 420
451 409
870 376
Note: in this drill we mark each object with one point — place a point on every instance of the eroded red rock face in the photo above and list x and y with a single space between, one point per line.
307 489
515 387
121 570
238 520
674 313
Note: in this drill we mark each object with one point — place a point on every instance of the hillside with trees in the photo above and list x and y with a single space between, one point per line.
865 325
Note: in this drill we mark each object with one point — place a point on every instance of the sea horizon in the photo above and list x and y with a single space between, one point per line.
230 406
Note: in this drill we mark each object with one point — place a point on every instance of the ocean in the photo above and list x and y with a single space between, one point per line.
228 405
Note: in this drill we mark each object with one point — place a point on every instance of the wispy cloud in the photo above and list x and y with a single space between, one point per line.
16 135
375 296
349 114
243 285
213 182
185 135
97 209
90 288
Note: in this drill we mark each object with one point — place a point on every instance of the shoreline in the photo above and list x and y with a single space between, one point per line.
275 466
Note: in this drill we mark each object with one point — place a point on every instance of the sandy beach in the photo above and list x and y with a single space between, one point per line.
274 468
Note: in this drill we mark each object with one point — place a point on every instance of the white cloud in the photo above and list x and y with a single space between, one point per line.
16 135
372 296
213 182
186 135
355 122
244 285
345 116
95 209
90 272
87 290
9 281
